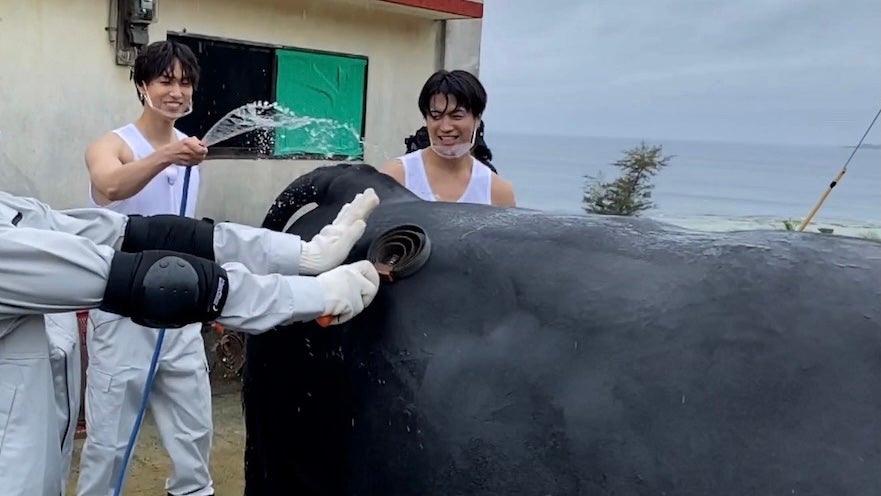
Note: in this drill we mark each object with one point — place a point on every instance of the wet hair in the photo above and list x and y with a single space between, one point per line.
480 151
157 60
462 85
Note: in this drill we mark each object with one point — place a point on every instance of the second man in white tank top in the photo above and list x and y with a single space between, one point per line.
452 103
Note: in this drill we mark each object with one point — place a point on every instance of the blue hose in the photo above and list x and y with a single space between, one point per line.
151 374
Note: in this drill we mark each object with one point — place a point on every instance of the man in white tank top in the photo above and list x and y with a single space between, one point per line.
452 104
139 168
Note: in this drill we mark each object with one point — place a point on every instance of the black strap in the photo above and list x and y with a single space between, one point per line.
169 232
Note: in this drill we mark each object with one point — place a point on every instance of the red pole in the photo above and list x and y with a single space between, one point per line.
82 319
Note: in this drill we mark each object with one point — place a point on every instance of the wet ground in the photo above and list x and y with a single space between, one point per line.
150 464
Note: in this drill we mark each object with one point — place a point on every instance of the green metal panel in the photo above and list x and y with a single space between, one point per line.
322 86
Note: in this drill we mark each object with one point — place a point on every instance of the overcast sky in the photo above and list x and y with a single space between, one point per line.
790 71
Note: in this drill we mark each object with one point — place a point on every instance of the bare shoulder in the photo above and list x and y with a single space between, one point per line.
502 192
108 145
394 168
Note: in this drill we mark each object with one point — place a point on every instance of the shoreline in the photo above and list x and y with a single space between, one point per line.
718 223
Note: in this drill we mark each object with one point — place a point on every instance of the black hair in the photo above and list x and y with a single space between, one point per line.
481 150
462 85
157 60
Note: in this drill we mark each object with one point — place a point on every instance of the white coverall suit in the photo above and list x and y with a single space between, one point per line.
59 261
65 359
120 352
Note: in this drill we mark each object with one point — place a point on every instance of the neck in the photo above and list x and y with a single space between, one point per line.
452 165
156 129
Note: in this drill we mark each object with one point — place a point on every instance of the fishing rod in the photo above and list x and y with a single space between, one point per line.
838 177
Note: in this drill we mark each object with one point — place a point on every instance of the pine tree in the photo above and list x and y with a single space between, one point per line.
631 192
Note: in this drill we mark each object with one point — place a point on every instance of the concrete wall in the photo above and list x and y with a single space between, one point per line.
60 87
462 45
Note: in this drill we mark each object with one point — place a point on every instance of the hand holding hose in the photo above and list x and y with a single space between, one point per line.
348 289
332 244
188 151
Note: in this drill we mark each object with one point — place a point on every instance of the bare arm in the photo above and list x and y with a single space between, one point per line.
112 178
502 192
116 176
394 168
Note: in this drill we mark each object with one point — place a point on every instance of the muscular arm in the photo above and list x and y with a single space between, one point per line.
112 179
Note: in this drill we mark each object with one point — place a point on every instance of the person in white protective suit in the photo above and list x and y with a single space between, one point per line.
148 167
65 358
161 271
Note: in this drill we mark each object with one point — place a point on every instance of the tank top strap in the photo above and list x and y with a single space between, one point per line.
415 178
479 189
136 141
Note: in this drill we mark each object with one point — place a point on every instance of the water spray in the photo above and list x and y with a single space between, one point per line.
244 119
262 115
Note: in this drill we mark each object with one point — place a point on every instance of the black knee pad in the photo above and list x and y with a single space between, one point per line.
169 232
159 288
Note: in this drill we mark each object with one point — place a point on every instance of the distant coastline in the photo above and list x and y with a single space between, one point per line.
872 146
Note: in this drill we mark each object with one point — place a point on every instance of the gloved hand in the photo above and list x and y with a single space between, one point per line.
334 242
348 289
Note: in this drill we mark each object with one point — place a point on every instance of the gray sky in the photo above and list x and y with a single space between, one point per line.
790 71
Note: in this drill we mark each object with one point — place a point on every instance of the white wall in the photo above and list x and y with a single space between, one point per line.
462 50
60 87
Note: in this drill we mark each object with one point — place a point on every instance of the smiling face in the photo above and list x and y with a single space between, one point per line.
166 74
452 103
171 94
448 123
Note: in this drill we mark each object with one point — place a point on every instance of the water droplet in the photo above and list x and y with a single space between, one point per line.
321 134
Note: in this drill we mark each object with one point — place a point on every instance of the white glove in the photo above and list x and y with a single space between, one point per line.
348 289
334 242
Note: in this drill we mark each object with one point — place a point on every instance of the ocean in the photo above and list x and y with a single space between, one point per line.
707 186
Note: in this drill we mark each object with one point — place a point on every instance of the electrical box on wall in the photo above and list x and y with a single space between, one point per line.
132 28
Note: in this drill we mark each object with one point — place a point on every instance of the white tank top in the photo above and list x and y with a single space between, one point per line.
163 194
479 189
